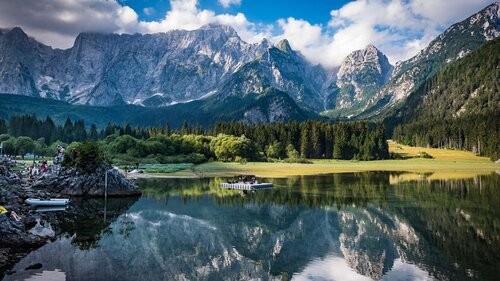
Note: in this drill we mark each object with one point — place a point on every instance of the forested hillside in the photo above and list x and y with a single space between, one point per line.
457 108
270 106
479 133
468 86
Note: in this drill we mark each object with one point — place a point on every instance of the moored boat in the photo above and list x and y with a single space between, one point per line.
247 182
47 202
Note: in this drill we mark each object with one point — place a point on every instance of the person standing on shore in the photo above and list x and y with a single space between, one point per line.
74 154
43 167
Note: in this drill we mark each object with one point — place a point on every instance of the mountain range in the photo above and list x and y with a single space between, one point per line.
213 72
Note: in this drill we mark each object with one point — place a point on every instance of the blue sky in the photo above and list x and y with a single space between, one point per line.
324 31
266 11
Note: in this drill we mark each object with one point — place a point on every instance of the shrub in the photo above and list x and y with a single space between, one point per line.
291 152
423 154
297 160
89 157
241 160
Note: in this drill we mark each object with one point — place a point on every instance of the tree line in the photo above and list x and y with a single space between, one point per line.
479 133
311 139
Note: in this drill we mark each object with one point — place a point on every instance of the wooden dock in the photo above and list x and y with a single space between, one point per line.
245 186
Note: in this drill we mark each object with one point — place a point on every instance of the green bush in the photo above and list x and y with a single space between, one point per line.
90 156
298 160
241 160
423 154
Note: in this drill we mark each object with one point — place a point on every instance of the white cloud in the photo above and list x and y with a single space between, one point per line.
227 3
148 11
400 28
185 14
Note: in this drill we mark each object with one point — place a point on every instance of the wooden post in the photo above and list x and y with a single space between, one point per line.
106 185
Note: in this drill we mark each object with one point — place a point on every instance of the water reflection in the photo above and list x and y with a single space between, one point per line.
331 227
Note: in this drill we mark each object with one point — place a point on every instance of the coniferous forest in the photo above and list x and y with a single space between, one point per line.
477 133
458 108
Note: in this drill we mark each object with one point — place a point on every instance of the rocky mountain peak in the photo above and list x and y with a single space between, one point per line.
360 61
15 34
220 28
360 75
284 46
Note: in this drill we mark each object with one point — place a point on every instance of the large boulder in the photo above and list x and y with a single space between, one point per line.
14 234
71 181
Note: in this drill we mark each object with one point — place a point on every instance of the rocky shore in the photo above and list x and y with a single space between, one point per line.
16 237
70 181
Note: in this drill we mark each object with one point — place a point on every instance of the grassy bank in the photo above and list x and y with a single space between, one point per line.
445 165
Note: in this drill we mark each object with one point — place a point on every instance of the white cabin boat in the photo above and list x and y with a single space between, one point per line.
245 186
245 182
47 202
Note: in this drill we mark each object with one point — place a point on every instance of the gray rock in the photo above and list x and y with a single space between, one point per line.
70 181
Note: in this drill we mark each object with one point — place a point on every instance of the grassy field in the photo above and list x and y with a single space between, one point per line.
445 165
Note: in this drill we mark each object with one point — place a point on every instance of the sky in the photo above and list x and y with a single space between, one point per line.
324 31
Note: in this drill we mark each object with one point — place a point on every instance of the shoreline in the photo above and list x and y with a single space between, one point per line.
280 170
17 237
445 165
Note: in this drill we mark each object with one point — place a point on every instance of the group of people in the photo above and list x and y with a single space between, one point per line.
36 169
31 171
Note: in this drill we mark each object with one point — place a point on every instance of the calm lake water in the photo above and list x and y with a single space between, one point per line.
353 226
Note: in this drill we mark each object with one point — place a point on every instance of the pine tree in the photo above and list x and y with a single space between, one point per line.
93 132
305 143
67 131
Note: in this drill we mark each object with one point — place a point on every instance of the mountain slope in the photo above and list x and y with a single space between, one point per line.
470 85
281 68
360 76
111 69
214 66
271 106
456 42
164 69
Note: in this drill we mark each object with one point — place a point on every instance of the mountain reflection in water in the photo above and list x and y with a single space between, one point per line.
353 226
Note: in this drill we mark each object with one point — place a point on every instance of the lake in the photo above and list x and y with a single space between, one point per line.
351 226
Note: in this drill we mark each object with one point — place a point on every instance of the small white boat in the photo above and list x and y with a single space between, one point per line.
246 186
246 182
47 202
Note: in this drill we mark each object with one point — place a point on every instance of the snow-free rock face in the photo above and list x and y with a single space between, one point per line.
281 68
70 181
361 74
109 69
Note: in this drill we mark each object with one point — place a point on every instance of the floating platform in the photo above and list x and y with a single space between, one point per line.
246 186
47 202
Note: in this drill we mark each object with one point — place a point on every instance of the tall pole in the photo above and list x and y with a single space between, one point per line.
106 185
105 192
